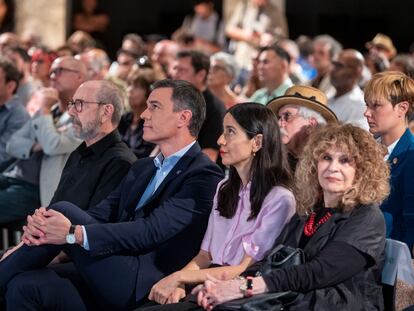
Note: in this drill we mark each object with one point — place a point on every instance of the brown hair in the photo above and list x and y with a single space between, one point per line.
372 173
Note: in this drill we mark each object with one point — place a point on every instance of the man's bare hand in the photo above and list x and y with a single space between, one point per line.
46 227
48 96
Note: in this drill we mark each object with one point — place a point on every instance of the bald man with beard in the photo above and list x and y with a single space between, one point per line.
42 145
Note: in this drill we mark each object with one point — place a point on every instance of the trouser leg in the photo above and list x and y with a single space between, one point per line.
17 199
28 258
42 289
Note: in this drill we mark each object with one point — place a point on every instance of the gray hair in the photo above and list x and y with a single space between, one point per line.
109 93
308 114
334 46
229 62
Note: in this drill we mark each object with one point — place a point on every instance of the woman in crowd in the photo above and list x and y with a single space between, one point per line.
41 61
131 126
390 98
340 179
223 71
250 208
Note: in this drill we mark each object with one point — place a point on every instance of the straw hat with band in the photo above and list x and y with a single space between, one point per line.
305 96
383 41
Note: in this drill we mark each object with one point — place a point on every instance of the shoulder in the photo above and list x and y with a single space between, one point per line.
364 229
120 151
280 192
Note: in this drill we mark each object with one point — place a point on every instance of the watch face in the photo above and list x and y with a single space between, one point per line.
70 239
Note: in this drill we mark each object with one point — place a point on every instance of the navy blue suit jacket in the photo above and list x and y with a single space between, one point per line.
167 231
399 207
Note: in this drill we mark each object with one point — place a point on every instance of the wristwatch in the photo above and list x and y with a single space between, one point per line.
247 287
70 238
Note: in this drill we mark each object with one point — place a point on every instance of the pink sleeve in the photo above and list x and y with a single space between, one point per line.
205 244
277 209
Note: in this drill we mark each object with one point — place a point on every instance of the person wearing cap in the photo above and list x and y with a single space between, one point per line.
382 44
389 98
273 72
300 112
348 102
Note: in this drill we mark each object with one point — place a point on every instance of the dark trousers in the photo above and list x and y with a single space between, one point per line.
181 306
17 199
31 286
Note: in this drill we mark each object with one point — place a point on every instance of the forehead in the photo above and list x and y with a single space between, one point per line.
125 56
321 46
61 63
268 55
184 62
87 91
161 95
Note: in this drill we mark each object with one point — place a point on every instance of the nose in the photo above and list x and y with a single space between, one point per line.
145 114
71 111
52 75
221 141
367 112
333 165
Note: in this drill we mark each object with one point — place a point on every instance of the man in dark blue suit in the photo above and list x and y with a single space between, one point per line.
150 226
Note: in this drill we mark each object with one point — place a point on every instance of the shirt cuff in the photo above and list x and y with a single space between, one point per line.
85 239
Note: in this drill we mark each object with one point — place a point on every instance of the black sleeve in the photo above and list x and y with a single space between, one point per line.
337 262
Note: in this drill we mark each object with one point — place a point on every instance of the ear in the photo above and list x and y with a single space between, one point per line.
402 108
108 111
257 142
201 76
11 87
185 117
313 123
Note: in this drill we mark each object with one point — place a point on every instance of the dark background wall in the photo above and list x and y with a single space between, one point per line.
352 22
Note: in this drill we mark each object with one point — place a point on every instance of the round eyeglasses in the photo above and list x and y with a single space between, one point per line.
77 104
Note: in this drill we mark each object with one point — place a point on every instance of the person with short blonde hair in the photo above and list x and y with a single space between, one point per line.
390 98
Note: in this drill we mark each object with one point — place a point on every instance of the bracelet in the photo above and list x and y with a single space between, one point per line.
247 287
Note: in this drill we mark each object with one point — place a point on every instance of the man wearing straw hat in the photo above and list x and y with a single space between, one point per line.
300 111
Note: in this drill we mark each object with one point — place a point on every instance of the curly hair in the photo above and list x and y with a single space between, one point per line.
371 183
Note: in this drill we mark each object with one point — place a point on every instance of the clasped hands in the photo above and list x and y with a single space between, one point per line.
209 294
46 227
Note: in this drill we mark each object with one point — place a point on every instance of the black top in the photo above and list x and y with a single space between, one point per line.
133 138
91 173
344 260
213 125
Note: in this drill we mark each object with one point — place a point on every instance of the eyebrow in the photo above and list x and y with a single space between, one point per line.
154 102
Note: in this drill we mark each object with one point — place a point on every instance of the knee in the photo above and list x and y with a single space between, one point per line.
22 286
63 207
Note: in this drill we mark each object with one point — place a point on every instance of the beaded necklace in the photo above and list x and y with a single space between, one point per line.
310 226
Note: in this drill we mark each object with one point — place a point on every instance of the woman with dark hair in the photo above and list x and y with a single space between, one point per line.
340 180
131 126
250 208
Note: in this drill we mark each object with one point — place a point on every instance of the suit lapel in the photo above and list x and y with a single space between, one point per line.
180 167
136 191
400 150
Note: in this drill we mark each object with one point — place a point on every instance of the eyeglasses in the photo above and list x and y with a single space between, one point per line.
287 117
78 104
58 71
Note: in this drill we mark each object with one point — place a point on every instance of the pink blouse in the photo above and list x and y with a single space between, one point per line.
228 240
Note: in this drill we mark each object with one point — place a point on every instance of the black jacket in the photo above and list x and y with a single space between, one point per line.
364 230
